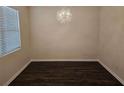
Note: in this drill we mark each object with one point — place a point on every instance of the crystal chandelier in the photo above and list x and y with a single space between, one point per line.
64 15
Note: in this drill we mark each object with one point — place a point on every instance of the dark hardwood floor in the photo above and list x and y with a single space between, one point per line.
65 74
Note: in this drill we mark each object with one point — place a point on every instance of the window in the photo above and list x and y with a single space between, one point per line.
9 30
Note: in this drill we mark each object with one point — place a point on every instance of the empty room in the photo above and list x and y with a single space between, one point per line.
61 45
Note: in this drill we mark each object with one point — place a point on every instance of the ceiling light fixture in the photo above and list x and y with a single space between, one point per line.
64 15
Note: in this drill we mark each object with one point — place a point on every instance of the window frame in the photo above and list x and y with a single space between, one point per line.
18 48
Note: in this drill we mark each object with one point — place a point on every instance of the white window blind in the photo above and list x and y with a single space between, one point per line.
9 30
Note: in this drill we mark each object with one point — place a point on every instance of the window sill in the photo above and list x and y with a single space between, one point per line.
11 52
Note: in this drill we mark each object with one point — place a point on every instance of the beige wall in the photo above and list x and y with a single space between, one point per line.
52 40
112 38
11 63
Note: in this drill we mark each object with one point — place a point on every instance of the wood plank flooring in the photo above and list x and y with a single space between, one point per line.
65 74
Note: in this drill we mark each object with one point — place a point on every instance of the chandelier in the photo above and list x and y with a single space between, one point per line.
64 15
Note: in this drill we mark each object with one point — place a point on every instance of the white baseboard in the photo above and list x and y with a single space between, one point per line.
113 73
16 74
40 60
